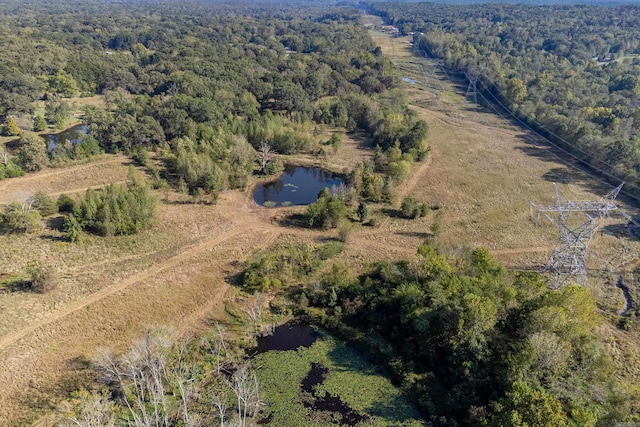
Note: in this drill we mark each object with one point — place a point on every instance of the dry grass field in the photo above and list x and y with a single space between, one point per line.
482 172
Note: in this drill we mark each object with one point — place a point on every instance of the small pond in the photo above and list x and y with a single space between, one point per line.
289 336
298 185
74 135
292 336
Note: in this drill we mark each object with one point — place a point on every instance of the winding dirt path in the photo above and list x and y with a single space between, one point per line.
54 172
15 336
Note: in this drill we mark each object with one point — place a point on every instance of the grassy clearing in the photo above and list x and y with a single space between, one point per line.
393 46
350 377
78 108
483 173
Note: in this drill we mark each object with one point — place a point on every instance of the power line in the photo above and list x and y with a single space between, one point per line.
527 126
577 222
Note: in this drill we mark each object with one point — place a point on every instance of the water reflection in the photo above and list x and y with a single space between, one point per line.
74 135
298 185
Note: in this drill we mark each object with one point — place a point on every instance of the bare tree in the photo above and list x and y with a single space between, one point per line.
221 403
146 379
218 346
264 155
254 306
4 156
245 385
87 409
184 379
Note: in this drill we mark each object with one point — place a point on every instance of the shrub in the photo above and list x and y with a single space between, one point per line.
42 278
329 250
10 170
20 217
411 208
65 203
140 156
44 204
344 231
279 266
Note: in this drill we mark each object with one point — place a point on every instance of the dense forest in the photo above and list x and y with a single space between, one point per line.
206 87
472 343
570 72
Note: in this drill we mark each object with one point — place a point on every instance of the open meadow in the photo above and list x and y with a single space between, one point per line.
480 178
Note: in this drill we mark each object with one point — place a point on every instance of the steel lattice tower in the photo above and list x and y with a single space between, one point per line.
577 222
472 74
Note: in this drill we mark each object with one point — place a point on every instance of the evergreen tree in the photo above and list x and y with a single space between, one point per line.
12 127
39 123
363 212
72 229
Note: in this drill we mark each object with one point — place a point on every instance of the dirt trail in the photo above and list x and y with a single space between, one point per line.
54 172
13 337
416 175
521 250
83 189
192 322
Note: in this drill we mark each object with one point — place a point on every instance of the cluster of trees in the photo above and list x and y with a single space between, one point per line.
31 153
328 211
114 210
164 382
207 79
286 263
474 345
570 72
24 216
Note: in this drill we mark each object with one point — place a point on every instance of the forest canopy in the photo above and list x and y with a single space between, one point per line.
572 73
206 85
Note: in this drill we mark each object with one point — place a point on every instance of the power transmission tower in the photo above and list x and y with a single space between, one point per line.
473 74
577 221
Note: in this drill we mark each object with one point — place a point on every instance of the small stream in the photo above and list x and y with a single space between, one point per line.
627 296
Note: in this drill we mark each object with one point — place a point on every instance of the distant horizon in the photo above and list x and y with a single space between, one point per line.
521 2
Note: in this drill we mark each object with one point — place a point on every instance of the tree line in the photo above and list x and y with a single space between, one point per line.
198 88
570 72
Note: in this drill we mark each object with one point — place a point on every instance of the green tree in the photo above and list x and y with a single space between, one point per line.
326 212
12 127
529 406
63 83
336 142
44 204
56 111
32 152
39 123
362 212
72 229
20 217
65 203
